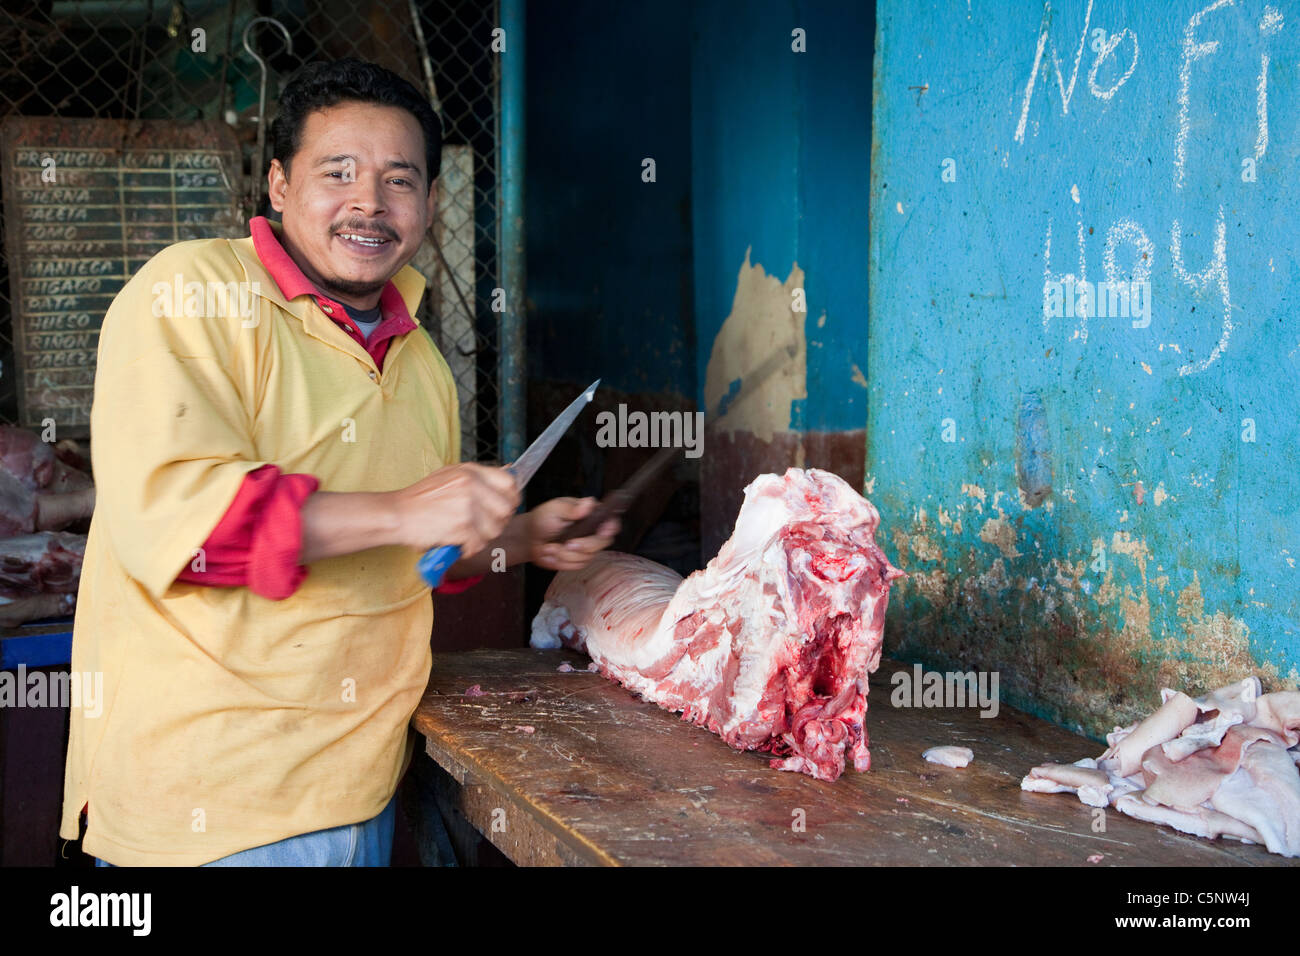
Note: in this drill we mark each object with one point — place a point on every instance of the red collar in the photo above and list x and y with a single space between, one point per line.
292 283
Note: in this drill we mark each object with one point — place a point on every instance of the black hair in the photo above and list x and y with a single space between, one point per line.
318 86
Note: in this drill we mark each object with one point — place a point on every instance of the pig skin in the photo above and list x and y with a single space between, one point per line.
1226 764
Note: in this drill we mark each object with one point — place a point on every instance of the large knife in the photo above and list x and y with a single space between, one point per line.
435 562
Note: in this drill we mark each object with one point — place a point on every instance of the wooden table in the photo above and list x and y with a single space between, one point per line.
606 778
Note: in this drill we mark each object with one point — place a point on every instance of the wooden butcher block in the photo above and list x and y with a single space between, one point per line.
606 778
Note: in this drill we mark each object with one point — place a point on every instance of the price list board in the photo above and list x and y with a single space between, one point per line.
86 204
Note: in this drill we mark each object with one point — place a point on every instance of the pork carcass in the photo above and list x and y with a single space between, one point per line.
39 574
1220 765
38 491
38 465
770 645
44 563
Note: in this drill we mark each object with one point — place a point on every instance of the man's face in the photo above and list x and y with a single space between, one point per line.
358 203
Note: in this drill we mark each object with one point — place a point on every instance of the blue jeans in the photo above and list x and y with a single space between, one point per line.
369 843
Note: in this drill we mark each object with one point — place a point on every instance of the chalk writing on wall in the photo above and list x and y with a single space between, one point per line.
1125 231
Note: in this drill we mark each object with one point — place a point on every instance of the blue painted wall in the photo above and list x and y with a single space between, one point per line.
609 256
1164 548
780 157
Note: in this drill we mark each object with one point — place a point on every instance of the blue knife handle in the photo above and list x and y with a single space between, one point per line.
435 562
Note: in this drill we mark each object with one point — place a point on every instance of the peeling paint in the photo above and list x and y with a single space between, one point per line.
1081 639
998 532
1122 543
762 339
1184 480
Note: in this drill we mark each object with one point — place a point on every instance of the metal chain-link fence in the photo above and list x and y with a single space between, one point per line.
185 62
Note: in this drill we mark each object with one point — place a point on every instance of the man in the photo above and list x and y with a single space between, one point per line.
268 472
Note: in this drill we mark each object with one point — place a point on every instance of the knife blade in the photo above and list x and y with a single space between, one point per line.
435 562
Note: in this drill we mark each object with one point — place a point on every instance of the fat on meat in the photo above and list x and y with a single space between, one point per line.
1225 764
770 645
956 757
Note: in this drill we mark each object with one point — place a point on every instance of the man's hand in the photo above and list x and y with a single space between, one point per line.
546 521
467 505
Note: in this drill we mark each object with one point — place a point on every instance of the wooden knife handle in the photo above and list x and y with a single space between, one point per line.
611 506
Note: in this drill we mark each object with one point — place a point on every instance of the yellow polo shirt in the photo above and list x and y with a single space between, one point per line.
231 721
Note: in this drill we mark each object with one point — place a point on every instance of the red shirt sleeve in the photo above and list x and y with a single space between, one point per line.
259 539
455 587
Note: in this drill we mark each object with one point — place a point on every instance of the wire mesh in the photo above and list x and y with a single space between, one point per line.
186 61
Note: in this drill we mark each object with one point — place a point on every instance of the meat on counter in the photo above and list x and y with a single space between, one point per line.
43 490
1220 765
956 757
770 645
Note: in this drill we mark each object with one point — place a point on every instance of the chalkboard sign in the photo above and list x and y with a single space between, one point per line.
87 202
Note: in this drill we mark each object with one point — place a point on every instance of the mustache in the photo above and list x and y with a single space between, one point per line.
365 227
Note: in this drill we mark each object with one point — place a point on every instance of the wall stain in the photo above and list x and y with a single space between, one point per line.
1033 451
1085 644
998 532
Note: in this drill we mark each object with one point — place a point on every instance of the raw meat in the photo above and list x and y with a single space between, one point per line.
39 465
38 492
1221 765
770 645
26 457
17 506
45 563
23 511
949 756
1082 777
15 611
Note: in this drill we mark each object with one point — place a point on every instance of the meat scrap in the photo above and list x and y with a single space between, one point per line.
769 646
956 757
1225 764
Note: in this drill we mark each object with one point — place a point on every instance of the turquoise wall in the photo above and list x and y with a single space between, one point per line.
1094 505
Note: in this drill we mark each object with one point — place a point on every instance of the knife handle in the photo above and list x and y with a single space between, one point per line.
435 562
612 506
